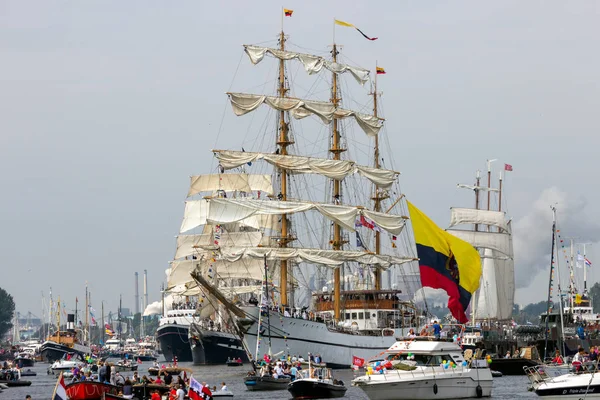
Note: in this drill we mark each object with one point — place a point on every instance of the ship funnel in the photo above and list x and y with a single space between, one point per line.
70 322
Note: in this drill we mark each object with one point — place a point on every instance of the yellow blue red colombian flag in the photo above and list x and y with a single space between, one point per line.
446 262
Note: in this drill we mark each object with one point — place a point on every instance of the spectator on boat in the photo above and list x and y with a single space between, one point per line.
507 354
437 329
158 381
168 379
127 389
156 396
102 372
557 358
205 391
516 354
180 393
293 372
411 333
223 386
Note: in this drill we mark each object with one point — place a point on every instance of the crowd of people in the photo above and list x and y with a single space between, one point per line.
287 367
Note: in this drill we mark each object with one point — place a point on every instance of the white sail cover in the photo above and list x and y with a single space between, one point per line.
333 169
224 211
188 245
472 187
499 242
331 258
312 64
244 103
196 212
230 182
474 216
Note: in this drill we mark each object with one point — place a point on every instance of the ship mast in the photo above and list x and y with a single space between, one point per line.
283 142
378 197
337 192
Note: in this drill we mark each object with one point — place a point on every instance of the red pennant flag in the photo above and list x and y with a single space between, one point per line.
508 167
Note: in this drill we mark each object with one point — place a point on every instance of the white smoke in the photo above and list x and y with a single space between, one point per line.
533 232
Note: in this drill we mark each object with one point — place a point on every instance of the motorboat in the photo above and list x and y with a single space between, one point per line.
266 382
317 383
568 386
222 393
234 362
67 363
123 366
425 368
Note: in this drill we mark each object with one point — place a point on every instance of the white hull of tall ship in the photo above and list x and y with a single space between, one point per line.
296 336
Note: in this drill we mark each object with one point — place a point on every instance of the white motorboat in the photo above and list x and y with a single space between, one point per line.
424 368
66 365
567 386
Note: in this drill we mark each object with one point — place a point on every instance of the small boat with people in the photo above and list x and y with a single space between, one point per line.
28 373
23 362
316 383
426 368
124 366
234 362
154 371
257 382
527 356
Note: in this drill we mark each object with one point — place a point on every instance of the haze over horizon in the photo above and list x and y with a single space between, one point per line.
108 108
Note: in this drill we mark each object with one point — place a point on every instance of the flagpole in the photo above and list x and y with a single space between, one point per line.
56 386
282 14
334 30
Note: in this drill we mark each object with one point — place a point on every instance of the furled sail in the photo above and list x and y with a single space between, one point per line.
499 242
242 268
472 187
312 64
230 182
505 281
188 245
333 169
224 211
332 258
474 216
487 296
243 103
196 213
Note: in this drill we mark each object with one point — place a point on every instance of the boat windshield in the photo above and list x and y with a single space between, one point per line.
422 359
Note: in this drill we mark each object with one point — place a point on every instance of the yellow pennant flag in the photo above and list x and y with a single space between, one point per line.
349 25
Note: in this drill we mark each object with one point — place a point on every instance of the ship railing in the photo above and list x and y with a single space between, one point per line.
537 374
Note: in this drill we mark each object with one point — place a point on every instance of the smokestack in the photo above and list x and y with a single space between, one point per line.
137 295
145 289
70 322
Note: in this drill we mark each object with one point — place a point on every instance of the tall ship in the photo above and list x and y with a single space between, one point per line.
327 240
194 327
490 231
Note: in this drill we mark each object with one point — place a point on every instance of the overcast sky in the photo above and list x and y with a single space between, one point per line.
107 107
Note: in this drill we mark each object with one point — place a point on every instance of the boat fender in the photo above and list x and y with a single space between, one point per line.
479 391
435 388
